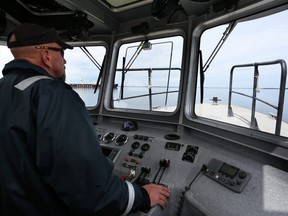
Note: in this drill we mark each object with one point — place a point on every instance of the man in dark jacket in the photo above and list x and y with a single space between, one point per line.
51 162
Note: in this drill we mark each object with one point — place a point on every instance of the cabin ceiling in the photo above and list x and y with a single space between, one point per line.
80 18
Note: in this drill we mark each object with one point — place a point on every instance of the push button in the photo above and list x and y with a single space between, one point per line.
242 175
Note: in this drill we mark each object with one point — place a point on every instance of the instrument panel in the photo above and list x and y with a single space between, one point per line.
137 154
185 163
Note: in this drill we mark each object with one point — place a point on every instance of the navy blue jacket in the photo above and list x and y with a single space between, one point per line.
51 163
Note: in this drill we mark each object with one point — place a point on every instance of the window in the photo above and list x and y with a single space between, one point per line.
150 78
5 57
248 67
82 71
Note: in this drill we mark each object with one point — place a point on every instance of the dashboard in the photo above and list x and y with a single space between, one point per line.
206 175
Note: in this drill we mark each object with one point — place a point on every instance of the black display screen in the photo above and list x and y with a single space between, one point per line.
106 151
228 170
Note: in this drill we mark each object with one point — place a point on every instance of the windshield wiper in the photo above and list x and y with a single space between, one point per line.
89 55
94 61
226 33
100 75
129 64
203 69
202 77
122 78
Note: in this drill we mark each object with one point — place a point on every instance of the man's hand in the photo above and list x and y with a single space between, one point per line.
158 194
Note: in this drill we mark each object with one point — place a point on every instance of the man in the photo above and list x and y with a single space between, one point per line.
51 162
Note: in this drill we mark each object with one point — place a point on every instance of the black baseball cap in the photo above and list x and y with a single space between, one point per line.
28 34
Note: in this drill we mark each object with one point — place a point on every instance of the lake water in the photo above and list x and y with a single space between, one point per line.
268 95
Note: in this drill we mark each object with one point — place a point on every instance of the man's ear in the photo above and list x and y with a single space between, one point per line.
46 58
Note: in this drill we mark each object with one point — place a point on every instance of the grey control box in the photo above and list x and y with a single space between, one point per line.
227 175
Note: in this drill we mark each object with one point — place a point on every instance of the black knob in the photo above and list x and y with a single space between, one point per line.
145 170
164 163
145 147
242 175
135 145
131 152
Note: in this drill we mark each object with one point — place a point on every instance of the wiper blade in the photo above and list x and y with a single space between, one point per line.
133 57
129 64
122 78
202 78
100 75
226 33
94 61
89 55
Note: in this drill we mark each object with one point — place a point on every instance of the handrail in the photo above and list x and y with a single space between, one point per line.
279 108
149 71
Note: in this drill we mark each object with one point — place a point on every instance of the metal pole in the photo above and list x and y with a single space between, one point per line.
230 111
253 123
150 88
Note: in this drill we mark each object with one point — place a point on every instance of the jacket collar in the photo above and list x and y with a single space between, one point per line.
23 64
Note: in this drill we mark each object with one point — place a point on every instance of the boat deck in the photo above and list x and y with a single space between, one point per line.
242 117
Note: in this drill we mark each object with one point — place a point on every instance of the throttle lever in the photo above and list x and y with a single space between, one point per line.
142 175
164 163
160 163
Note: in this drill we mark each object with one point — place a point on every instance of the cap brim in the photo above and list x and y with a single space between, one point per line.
28 34
64 45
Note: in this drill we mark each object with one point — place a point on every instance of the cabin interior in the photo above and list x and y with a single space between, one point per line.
214 159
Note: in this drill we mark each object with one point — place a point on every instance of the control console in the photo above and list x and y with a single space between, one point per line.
227 175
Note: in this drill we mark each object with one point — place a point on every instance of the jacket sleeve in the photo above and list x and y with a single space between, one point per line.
71 161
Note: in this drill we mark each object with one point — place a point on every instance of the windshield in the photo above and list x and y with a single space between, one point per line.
245 84
148 75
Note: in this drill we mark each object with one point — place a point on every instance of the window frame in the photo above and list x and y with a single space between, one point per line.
94 44
108 97
190 101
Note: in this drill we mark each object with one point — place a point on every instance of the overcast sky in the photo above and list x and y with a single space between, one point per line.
261 40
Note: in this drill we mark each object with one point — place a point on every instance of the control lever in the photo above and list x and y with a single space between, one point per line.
164 163
144 171
160 163
204 168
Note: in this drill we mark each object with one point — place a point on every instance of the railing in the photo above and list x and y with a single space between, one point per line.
279 108
150 94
